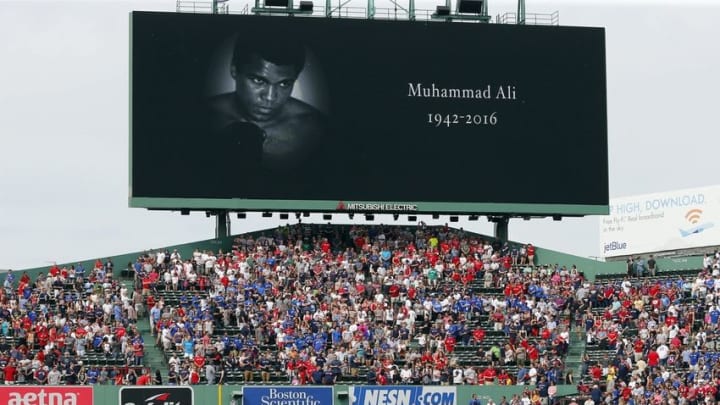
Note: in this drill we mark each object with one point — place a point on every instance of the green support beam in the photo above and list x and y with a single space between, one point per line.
521 12
370 9
222 224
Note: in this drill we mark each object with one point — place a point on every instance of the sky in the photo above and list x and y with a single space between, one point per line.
64 124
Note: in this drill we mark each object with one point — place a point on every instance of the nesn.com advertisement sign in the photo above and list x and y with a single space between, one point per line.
402 395
287 396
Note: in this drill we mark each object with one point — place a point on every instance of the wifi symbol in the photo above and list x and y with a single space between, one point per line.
693 216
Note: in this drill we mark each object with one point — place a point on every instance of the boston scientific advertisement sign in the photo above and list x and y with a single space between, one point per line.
259 112
659 222
287 395
402 395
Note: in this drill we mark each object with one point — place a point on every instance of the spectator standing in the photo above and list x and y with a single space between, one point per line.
144 378
652 266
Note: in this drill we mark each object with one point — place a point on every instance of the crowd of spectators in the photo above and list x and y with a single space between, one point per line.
310 304
51 326
657 337
373 305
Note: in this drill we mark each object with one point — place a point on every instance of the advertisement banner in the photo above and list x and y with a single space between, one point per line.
658 222
232 111
156 395
402 395
287 396
46 395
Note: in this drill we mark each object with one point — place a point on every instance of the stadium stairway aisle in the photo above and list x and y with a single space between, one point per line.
154 357
573 361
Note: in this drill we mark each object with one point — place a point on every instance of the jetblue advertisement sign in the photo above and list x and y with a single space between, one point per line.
155 395
658 222
287 396
402 395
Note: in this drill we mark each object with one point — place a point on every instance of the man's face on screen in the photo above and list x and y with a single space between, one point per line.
262 88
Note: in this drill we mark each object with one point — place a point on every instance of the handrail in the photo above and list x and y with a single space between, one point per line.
202 6
530 18
381 13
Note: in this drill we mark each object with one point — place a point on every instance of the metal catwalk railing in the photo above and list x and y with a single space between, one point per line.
530 18
342 10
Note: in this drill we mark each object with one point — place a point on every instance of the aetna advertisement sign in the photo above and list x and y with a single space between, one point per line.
245 112
155 395
46 395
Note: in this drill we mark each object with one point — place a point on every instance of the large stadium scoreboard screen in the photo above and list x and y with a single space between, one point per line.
258 112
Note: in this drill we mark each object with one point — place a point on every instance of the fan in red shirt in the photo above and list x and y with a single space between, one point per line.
626 392
359 242
439 360
381 378
489 375
609 292
412 293
10 372
638 347
60 341
530 250
612 337
498 318
450 343
433 256
624 315
479 335
199 361
653 358
21 287
144 379
394 291
675 343
194 376
503 378
518 289
43 337
533 353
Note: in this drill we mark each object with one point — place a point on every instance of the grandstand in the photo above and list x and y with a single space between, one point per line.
274 310
653 335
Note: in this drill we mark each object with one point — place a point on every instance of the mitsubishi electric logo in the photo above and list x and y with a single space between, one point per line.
375 206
